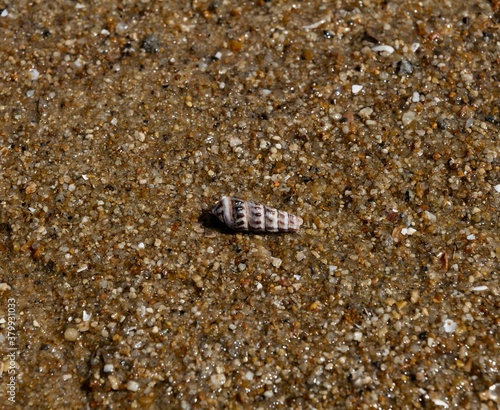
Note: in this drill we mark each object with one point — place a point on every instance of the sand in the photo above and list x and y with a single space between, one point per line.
122 123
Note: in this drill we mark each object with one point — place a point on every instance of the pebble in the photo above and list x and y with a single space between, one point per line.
449 326
132 385
408 117
4 287
383 47
217 380
356 88
108 368
71 334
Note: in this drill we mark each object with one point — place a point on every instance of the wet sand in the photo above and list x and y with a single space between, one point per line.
122 123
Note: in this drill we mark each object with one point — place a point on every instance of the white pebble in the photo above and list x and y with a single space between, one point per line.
4 287
439 402
408 117
471 237
217 380
234 141
71 334
108 368
494 391
30 93
449 326
430 216
480 288
408 231
86 316
497 188
276 262
383 47
132 385
356 88
414 47
140 136
249 376
264 144
365 112
33 74
82 267
415 97
300 256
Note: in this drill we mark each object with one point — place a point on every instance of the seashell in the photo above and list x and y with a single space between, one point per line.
246 216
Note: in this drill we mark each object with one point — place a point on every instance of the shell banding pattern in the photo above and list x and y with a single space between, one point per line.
246 216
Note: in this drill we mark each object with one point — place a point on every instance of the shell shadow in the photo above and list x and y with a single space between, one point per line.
210 221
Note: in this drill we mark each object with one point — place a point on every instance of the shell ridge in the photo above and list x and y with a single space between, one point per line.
247 216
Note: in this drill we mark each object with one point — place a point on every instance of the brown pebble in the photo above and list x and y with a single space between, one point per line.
235 45
30 187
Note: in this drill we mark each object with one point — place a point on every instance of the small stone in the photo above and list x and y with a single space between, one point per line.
150 44
408 117
4 287
217 380
276 262
383 48
114 382
30 187
365 113
234 142
494 392
300 256
71 334
356 88
408 231
430 216
132 385
33 74
449 326
405 67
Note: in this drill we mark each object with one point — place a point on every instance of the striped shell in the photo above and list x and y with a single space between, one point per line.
246 216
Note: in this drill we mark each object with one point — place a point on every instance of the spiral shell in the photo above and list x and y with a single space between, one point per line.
246 216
